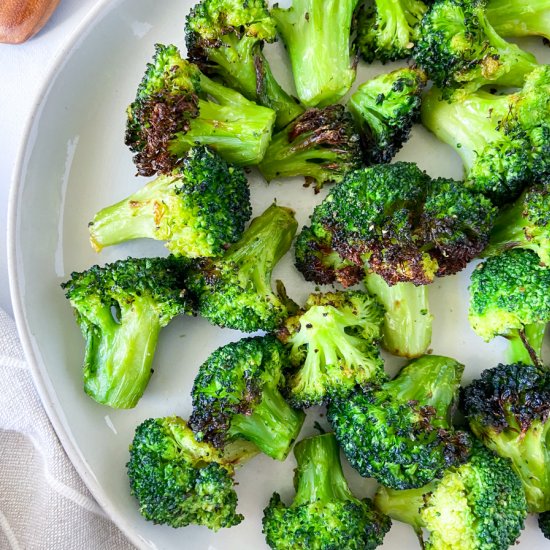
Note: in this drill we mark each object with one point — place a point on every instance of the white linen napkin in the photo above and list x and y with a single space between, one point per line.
44 505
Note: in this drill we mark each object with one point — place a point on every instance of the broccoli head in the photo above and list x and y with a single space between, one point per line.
179 481
178 107
399 432
510 297
235 290
388 30
459 48
199 209
392 219
544 524
385 109
508 409
120 309
518 18
317 36
225 38
324 514
332 346
321 144
478 505
236 395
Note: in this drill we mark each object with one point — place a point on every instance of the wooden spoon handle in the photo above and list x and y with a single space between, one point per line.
21 19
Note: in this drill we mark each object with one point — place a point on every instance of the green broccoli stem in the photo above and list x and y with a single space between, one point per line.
319 475
397 31
273 425
525 346
516 18
407 329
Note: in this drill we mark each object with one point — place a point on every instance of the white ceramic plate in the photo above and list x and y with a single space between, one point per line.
74 163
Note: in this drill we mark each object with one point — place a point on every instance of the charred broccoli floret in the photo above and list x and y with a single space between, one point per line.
120 309
178 481
199 209
317 36
177 107
518 18
235 290
332 347
322 145
324 513
510 297
385 109
508 409
458 48
236 395
479 505
544 524
399 432
225 38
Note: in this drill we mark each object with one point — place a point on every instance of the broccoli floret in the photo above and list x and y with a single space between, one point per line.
178 481
317 36
508 409
199 209
324 514
225 38
385 109
178 107
399 432
518 18
510 297
332 346
236 395
392 219
322 145
407 327
458 47
120 309
524 224
544 524
479 505
388 30
235 290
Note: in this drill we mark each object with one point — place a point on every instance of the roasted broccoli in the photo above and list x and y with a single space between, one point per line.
510 297
385 109
458 47
236 395
332 345
399 432
235 290
388 30
225 38
322 145
178 107
199 209
479 505
544 524
178 481
324 514
120 309
317 36
519 18
508 409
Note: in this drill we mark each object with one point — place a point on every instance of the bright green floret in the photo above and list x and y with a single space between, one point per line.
508 409
225 38
479 505
388 30
317 36
510 297
121 308
236 395
385 109
458 48
321 144
332 347
235 290
177 107
519 18
199 209
178 481
324 515
399 432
